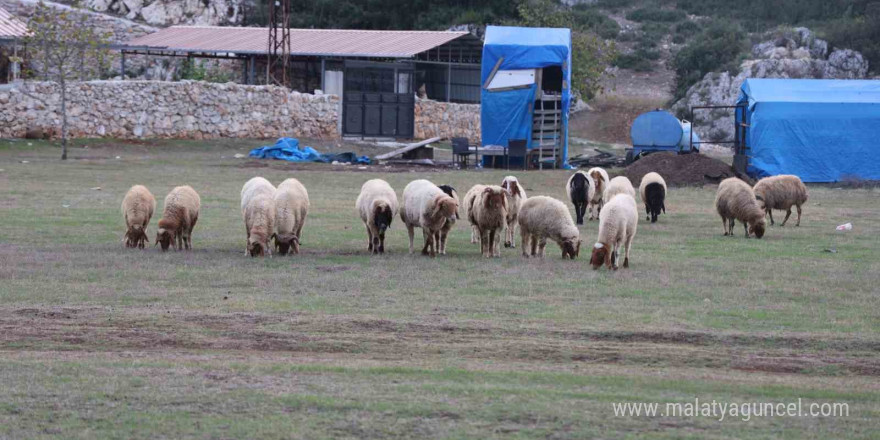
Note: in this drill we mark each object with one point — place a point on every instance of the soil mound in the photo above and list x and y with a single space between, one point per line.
680 169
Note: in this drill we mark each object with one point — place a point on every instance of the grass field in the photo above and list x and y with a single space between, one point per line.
99 341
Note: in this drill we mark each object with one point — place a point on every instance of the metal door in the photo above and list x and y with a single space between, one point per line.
378 100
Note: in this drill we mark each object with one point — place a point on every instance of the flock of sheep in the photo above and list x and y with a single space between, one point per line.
494 211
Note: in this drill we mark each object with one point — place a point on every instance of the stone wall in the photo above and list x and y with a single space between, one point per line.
435 118
185 109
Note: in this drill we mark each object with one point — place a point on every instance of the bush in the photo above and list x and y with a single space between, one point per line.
615 5
656 15
592 20
686 29
861 34
717 48
639 60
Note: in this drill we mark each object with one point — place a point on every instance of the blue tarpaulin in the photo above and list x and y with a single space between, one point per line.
288 149
507 114
819 130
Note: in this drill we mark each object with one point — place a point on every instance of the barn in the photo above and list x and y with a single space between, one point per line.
526 89
377 72
820 130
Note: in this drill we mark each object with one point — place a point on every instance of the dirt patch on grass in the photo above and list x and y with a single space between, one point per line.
680 169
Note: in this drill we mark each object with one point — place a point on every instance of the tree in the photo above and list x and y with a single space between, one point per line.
591 55
67 45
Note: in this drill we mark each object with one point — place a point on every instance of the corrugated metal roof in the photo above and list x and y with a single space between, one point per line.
11 27
326 42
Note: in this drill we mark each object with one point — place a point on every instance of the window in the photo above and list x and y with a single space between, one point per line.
506 79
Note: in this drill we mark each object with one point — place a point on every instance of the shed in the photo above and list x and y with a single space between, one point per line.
819 130
526 89
12 32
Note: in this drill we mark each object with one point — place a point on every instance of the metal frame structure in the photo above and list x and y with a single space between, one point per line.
278 52
740 147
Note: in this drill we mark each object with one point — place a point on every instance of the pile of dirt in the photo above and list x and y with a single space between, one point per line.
680 169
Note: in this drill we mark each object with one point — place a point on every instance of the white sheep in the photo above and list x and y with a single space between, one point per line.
735 200
426 206
600 182
652 190
443 235
468 203
253 187
179 217
377 206
618 185
137 210
291 210
488 214
781 192
618 223
544 217
516 195
259 221
580 191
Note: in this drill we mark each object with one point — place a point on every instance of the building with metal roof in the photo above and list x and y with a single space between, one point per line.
377 72
10 27
12 31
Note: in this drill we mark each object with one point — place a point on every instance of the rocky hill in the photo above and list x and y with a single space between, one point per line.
790 54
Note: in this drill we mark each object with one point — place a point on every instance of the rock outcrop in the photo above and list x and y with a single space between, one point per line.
794 54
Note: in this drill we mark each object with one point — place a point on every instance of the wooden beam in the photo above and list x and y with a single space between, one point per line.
409 147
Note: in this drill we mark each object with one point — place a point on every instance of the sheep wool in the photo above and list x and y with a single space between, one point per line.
516 195
488 214
544 217
618 223
735 200
580 191
427 207
468 203
253 187
179 217
291 210
137 210
618 185
443 236
600 182
781 192
259 221
652 190
377 206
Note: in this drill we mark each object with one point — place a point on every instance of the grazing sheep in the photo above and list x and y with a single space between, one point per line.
544 217
618 222
259 221
652 190
426 206
618 185
443 235
468 203
253 187
600 182
580 191
137 210
291 210
377 205
488 214
179 217
736 200
781 192
516 194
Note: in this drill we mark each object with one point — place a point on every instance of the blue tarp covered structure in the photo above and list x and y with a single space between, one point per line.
819 130
288 149
507 114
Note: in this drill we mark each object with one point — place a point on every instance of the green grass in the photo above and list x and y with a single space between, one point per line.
101 341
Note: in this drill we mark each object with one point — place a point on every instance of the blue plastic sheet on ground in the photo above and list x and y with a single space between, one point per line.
288 149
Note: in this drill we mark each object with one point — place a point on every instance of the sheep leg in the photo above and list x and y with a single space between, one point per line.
732 224
370 239
493 245
770 213
534 246
429 243
724 225
474 234
746 228
647 212
412 233
629 242
787 215
541 245
796 224
524 242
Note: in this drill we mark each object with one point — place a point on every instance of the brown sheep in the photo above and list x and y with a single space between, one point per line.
179 217
137 210
488 214
736 200
781 192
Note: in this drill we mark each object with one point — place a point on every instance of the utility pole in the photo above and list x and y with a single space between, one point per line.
279 43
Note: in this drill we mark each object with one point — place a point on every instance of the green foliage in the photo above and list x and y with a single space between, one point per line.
656 15
204 70
637 61
595 21
67 47
615 5
861 34
591 55
687 28
717 48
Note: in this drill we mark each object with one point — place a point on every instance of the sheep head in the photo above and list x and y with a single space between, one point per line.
445 206
165 238
511 185
601 255
571 249
758 228
382 216
257 247
286 242
495 199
